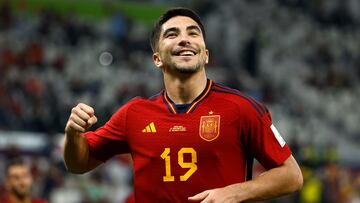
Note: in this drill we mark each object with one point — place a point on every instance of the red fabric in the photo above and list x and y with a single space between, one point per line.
130 198
5 199
244 127
39 201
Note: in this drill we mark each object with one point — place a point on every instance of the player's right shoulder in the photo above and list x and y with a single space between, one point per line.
133 103
123 110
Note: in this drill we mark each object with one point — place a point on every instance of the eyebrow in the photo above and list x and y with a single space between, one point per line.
172 29
175 29
193 27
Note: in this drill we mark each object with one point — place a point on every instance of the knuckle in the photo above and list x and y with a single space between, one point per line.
75 110
72 124
90 109
72 117
82 105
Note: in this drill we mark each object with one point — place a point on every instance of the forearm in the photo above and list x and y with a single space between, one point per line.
76 149
76 153
271 184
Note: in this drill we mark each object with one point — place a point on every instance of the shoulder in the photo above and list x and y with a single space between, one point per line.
244 103
134 102
140 101
3 196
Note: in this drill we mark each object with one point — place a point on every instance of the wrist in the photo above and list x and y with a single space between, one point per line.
72 135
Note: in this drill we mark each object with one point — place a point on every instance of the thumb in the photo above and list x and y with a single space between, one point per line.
92 120
199 196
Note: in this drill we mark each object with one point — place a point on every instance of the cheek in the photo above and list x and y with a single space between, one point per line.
29 181
165 55
167 46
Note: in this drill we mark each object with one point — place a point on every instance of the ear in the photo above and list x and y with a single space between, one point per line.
207 56
157 59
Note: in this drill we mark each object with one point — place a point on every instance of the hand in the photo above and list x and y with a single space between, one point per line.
218 195
81 119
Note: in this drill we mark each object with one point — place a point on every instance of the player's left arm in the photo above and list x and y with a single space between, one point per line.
278 181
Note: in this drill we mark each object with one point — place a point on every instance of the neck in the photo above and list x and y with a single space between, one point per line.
14 199
184 88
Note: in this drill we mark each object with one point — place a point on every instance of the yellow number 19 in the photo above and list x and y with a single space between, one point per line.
190 165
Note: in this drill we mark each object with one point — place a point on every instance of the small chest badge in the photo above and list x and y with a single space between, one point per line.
209 128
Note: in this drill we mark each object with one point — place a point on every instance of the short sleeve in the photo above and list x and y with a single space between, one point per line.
265 142
110 139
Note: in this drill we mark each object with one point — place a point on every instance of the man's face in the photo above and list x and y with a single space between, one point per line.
181 46
19 181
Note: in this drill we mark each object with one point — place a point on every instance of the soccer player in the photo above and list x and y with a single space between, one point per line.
195 140
18 182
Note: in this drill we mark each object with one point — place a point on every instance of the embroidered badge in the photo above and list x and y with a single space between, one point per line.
209 128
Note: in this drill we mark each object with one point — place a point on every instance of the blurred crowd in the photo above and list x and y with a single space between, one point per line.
301 58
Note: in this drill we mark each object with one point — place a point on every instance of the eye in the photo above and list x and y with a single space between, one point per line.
194 34
171 35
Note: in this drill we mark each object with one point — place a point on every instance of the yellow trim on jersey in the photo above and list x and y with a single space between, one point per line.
171 106
206 93
194 103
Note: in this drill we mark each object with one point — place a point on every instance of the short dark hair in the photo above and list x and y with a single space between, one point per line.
14 162
178 11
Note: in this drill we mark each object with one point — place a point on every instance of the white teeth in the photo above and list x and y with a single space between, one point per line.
186 53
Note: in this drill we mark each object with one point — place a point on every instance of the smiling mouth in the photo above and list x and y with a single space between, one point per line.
185 53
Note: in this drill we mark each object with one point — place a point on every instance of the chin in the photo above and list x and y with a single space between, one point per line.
187 69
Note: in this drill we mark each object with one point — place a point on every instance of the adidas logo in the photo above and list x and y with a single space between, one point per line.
149 128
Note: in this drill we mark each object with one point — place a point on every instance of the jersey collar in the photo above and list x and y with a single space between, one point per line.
191 107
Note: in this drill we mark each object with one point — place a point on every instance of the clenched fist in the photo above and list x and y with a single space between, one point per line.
82 117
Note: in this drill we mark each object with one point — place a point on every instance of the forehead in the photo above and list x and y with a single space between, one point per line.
18 169
178 22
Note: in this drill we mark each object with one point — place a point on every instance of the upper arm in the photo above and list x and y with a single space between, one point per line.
263 141
108 140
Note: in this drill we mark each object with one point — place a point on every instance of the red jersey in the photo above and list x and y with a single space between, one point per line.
32 201
177 155
6 199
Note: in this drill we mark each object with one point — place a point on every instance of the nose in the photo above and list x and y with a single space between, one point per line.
184 40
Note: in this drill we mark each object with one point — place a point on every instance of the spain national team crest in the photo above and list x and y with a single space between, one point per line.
209 128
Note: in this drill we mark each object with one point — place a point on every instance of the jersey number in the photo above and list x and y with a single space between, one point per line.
190 165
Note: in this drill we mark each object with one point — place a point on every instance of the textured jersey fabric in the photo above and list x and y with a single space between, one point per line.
177 155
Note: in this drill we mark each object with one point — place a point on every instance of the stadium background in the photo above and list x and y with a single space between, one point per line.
300 57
